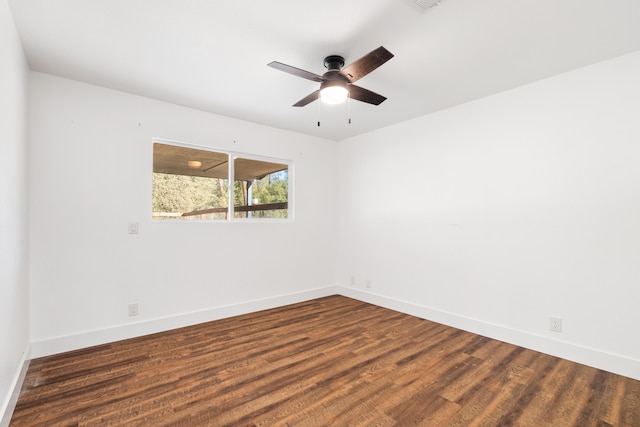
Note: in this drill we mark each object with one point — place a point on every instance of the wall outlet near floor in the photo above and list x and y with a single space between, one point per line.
133 309
353 280
368 284
555 324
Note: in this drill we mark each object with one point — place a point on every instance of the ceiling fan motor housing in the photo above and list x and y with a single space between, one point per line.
334 62
333 77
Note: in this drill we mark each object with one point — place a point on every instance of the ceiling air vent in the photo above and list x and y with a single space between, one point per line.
427 4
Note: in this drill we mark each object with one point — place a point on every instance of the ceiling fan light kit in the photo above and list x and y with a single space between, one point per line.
336 85
334 94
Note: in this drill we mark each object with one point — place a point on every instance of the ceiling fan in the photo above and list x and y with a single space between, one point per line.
337 83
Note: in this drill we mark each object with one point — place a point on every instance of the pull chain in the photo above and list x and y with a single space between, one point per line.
318 109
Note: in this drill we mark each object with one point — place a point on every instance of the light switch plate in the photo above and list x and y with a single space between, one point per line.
134 228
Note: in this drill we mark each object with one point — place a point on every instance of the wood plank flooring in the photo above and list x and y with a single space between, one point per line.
332 361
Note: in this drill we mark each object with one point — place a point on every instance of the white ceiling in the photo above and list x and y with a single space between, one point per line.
213 54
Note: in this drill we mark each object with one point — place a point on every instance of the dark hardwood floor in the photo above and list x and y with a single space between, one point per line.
328 362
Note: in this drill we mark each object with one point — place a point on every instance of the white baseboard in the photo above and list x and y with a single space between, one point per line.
102 336
596 358
9 404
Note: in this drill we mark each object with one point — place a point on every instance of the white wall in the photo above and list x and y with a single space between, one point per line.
91 163
498 214
14 285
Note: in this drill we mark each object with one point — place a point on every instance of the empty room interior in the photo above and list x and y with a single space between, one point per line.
456 241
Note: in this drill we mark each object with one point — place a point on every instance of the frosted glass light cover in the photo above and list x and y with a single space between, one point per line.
334 94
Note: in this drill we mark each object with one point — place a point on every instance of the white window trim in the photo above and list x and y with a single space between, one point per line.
232 156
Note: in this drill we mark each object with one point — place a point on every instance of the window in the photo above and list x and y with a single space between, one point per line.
193 184
261 189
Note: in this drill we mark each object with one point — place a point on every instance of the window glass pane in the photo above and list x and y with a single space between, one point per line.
189 183
261 189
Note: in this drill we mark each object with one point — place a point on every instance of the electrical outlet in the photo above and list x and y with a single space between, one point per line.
353 280
133 309
368 284
555 324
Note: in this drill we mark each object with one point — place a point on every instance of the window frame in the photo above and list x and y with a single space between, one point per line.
232 155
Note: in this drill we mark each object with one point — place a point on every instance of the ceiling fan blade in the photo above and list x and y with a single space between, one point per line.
308 99
365 95
295 71
366 64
